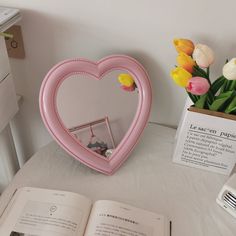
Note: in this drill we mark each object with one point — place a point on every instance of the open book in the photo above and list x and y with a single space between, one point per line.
43 212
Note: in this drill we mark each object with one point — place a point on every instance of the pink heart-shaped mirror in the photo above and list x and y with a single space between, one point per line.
81 100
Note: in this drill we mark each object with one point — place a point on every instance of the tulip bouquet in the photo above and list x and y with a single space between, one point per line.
193 73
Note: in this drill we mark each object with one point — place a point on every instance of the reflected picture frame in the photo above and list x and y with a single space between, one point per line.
89 127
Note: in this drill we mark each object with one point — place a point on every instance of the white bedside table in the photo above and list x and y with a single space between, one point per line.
148 179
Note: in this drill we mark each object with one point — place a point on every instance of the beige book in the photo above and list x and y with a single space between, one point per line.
43 212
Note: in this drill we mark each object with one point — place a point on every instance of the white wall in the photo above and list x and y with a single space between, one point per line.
54 30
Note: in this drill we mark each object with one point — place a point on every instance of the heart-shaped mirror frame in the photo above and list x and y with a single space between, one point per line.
97 70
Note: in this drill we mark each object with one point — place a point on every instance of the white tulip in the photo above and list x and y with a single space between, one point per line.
229 70
203 55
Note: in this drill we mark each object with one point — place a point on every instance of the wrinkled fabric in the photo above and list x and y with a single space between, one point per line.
148 179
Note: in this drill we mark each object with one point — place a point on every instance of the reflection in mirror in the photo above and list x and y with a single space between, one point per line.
98 112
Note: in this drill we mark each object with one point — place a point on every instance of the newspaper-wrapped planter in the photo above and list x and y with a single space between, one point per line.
206 140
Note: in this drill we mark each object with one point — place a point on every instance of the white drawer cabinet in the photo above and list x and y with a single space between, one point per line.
4 63
8 100
8 108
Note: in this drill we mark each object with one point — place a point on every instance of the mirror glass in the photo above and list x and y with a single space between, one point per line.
97 112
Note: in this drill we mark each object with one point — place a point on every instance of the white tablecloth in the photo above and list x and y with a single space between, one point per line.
148 179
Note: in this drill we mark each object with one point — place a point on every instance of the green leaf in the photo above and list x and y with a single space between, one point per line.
225 105
232 85
210 98
227 86
220 100
217 84
222 89
192 97
201 101
231 108
197 71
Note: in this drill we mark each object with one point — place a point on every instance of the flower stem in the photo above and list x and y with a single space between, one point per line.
208 72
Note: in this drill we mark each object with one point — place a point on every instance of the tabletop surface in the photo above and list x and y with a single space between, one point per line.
148 179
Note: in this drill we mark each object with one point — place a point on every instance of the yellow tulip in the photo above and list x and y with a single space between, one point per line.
181 76
186 62
184 45
126 80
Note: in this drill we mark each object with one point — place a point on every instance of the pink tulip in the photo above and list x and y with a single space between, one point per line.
198 86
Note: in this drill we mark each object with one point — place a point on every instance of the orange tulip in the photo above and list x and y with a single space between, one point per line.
186 62
184 45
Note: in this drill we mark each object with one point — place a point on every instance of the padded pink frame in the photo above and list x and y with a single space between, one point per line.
97 70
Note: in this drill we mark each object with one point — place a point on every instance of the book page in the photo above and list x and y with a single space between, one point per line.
113 218
42 212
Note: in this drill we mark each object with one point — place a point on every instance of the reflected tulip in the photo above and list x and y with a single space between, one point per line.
126 80
128 89
203 55
229 70
198 86
180 76
185 61
184 45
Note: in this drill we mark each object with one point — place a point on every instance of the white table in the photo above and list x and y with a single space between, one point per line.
148 179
